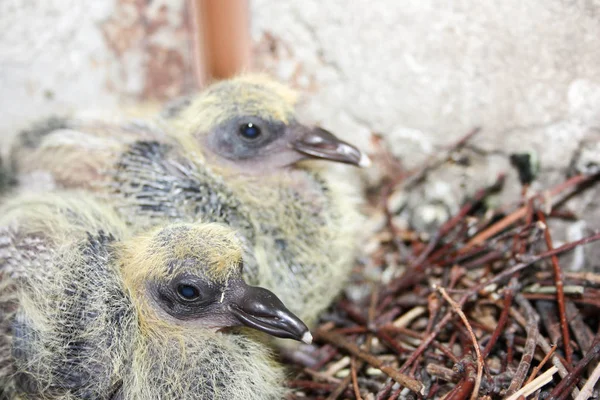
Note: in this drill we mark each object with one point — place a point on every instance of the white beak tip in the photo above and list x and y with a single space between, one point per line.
365 161
307 338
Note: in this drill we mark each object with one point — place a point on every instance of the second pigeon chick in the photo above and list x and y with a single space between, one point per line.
87 311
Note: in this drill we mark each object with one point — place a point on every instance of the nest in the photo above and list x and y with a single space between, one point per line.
481 309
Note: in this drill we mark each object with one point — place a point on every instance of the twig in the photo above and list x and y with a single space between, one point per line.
462 315
535 384
537 369
441 372
452 222
588 389
542 342
581 331
354 379
563 388
528 351
340 389
463 388
508 296
564 248
560 293
522 212
341 342
506 273
547 309
495 228
585 276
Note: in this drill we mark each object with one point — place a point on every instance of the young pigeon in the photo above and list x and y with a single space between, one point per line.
88 311
234 154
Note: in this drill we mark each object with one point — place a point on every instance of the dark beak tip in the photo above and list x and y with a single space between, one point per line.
322 144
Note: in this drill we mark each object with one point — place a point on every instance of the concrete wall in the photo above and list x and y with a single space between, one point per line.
425 72
89 56
421 72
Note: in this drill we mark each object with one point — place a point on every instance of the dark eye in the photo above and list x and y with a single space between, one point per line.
250 131
188 292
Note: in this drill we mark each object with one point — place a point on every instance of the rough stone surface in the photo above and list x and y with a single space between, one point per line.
88 56
424 73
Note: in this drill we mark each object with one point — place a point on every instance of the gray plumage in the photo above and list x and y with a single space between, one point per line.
87 310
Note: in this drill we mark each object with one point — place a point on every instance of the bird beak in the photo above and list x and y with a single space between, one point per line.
320 143
260 309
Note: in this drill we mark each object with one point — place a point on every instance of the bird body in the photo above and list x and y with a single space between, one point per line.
234 154
89 310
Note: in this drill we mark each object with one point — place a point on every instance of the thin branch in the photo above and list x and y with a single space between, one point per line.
588 389
535 384
537 369
528 351
560 292
341 342
564 387
462 315
354 379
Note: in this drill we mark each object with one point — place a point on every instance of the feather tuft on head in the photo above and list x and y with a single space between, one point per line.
252 94
212 250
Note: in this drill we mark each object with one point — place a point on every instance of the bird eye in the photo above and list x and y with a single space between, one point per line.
188 292
250 131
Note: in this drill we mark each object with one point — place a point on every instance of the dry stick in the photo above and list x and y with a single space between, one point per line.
341 388
370 316
537 369
340 341
462 315
506 273
385 391
560 292
384 337
461 390
522 212
452 222
306 384
591 299
590 277
551 322
447 352
495 228
508 296
588 389
382 334
582 332
542 342
442 372
563 388
573 181
528 351
534 385
354 379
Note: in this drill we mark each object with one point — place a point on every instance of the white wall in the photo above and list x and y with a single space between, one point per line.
88 56
422 72
425 72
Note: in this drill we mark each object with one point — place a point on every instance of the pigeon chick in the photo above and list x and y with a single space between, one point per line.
88 311
234 154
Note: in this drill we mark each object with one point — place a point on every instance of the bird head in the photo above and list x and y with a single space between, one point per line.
189 275
249 123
